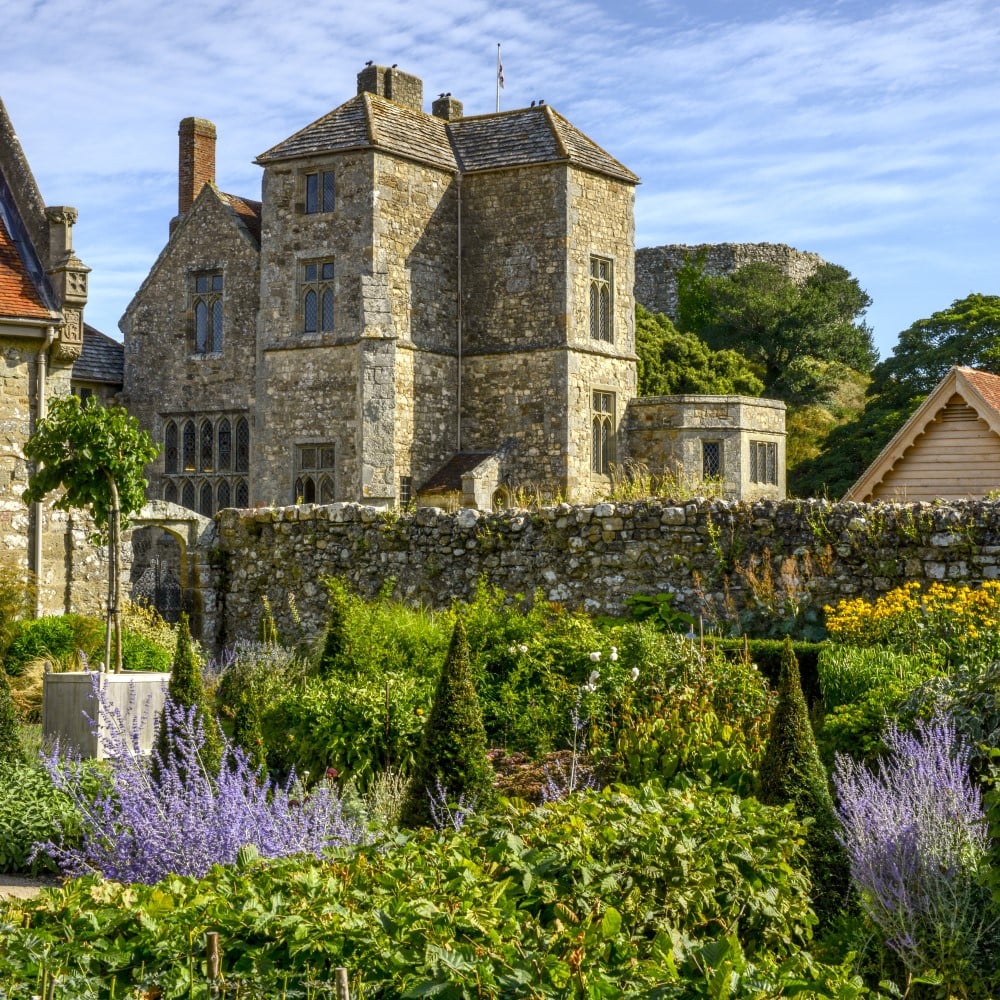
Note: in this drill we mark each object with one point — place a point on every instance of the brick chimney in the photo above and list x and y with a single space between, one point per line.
196 166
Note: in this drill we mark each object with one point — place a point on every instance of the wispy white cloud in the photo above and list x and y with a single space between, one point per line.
866 131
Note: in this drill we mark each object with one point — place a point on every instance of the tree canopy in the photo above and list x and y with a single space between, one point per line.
671 362
96 456
966 333
784 328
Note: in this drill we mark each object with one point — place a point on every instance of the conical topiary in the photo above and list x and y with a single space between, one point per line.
186 689
451 761
791 771
11 751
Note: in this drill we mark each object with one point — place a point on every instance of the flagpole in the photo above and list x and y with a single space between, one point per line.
499 76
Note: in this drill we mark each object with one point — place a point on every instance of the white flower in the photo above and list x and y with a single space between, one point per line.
522 648
634 674
512 649
594 657
613 655
594 677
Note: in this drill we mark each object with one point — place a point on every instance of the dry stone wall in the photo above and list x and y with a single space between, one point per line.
766 560
656 267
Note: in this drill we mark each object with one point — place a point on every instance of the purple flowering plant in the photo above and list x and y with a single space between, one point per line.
145 817
918 844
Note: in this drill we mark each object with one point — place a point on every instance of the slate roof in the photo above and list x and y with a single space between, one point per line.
101 360
19 296
448 479
247 211
484 142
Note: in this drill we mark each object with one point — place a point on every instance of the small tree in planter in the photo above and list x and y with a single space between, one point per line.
791 771
451 762
96 455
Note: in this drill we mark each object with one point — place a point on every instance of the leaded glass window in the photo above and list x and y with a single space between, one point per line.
601 324
602 455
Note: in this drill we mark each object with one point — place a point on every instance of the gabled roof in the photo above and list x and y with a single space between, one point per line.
370 122
529 136
20 297
525 137
246 211
21 194
101 360
448 479
979 389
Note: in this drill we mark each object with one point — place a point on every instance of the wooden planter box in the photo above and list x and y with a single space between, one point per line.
68 705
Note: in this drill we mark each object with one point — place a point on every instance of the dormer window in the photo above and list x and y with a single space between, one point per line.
208 312
319 192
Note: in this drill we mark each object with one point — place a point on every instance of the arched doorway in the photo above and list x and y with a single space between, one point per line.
158 567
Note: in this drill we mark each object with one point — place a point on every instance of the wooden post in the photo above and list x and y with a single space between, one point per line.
213 958
341 984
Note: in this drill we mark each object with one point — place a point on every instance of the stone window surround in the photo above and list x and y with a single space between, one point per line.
711 457
603 430
324 199
213 299
315 481
764 462
601 298
321 286
204 454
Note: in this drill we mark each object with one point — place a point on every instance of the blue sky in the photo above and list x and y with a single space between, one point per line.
866 132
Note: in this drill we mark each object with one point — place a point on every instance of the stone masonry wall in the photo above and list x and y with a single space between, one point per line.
767 558
656 267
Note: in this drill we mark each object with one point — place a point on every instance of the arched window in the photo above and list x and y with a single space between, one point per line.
224 495
311 321
170 457
317 296
326 489
208 312
601 326
315 465
207 436
225 445
205 500
242 494
170 492
187 495
326 319
602 454
189 446
242 445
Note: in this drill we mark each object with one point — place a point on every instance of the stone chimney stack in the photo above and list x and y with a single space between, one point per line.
447 107
392 84
196 166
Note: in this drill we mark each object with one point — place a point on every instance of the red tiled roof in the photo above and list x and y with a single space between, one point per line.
18 295
987 385
247 211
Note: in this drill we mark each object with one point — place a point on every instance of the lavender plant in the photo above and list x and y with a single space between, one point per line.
918 846
164 814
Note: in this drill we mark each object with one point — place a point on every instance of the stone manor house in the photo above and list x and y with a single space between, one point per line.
421 307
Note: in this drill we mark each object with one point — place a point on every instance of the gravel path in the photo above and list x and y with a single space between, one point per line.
23 886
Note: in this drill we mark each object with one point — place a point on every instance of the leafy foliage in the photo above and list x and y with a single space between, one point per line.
671 362
16 592
621 893
11 751
782 327
848 673
32 810
452 754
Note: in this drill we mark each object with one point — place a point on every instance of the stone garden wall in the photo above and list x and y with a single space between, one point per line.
763 560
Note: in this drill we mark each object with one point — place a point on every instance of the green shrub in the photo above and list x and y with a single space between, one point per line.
11 751
451 761
767 653
52 637
32 811
791 771
856 729
142 653
848 673
622 893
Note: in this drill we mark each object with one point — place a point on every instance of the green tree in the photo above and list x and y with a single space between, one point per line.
791 771
96 455
781 326
187 690
671 362
11 751
335 655
966 333
452 754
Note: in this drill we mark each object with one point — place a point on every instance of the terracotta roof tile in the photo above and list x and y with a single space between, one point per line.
986 384
19 297
247 211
